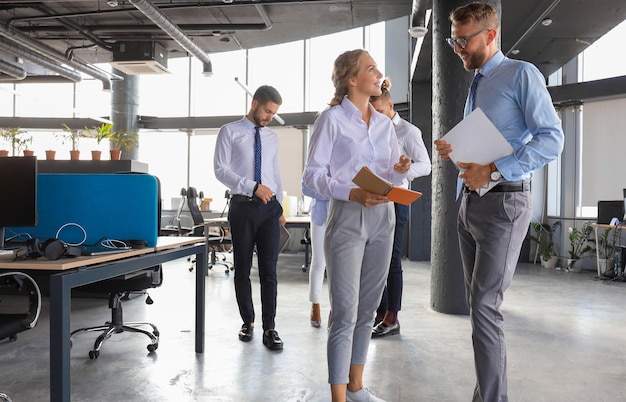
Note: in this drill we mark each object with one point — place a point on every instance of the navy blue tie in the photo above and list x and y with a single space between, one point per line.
257 154
472 94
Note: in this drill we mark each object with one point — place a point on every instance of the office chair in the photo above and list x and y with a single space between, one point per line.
174 226
119 289
15 288
214 241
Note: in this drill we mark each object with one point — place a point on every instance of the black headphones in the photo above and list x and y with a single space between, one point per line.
52 249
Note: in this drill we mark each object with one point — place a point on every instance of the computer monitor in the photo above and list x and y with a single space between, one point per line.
18 193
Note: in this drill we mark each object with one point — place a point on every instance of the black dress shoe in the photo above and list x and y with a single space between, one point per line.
383 330
271 340
246 333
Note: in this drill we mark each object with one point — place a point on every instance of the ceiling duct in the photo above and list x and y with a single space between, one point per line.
14 71
33 57
53 54
160 20
418 18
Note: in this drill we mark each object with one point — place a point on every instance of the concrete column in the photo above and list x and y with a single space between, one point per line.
450 86
124 107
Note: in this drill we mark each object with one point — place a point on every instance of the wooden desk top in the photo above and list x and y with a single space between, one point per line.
163 243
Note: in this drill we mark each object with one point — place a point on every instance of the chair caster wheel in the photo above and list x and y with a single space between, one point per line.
93 354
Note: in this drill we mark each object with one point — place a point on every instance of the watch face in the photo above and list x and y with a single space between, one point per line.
495 176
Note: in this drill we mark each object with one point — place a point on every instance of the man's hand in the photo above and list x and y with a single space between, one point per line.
443 148
475 175
282 220
365 198
402 166
263 193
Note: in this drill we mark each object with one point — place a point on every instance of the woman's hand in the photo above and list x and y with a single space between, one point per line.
402 166
366 198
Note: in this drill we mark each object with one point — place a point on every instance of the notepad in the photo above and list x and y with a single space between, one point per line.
371 182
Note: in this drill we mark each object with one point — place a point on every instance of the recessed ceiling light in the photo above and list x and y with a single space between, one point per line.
515 51
546 22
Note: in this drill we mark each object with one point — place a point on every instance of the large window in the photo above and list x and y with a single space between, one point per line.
600 60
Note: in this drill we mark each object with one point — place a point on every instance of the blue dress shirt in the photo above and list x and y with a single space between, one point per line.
513 95
233 161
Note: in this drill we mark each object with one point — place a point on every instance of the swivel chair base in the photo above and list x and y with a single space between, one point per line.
116 326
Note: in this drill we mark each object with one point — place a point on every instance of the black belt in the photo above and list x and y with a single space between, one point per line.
245 198
509 187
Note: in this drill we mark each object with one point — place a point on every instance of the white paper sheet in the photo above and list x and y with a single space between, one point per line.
476 140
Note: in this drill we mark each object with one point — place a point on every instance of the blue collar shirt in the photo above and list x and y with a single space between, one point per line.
513 95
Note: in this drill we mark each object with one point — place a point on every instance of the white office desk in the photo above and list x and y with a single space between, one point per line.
299 222
69 273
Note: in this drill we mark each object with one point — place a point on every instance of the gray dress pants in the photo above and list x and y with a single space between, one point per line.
491 230
357 245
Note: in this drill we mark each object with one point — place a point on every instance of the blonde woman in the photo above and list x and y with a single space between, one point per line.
358 241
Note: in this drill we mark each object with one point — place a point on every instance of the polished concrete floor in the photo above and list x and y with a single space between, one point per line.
566 337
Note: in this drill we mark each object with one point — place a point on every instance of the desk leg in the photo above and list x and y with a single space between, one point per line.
201 270
60 306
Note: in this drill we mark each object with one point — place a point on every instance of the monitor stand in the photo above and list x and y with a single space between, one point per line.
5 254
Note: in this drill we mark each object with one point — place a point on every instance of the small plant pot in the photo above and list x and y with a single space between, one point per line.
3 153
74 155
29 152
96 155
50 155
116 154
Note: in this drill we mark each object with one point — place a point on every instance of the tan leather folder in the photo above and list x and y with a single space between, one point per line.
370 181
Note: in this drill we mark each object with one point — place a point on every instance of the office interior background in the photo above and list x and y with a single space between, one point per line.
301 71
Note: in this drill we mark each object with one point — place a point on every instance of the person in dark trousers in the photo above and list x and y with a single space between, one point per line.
411 145
493 224
246 161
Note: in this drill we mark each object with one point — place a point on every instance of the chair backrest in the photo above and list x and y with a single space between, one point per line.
194 210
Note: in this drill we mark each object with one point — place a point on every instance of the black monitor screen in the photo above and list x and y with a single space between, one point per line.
18 191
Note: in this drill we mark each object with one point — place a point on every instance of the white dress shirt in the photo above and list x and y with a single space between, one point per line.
342 143
234 158
412 145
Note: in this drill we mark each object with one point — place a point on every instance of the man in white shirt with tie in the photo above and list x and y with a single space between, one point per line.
246 161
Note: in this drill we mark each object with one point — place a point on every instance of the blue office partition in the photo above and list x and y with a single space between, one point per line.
114 206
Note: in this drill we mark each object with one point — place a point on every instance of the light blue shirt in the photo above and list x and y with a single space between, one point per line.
319 206
341 144
233 160
412 145
513 95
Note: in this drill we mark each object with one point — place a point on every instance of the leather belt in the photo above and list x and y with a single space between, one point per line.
508 187
245 198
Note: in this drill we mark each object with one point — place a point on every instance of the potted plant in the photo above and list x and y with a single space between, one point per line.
73 136
100 133
544 237
122 140
580 243
15 138
605 251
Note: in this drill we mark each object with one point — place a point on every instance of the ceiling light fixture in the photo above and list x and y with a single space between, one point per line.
418 32
515 51
112 3
546 22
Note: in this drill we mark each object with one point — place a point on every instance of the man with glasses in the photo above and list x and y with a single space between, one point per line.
492 227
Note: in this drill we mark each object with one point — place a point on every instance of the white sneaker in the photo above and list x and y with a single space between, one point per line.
362 395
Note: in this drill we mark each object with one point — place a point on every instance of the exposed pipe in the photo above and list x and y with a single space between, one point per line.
14 71
35 79
160 20
40 60
53 54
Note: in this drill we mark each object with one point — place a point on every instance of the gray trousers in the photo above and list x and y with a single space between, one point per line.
357 246
491 231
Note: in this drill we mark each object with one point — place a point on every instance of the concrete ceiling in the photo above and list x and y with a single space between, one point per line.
89 31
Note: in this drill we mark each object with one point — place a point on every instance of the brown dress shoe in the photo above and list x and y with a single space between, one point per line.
316 316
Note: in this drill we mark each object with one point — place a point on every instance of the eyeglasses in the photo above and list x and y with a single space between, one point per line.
462 42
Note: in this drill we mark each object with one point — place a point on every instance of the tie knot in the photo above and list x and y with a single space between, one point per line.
257 129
